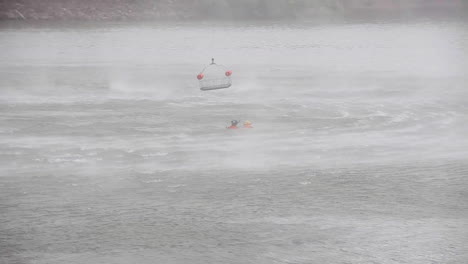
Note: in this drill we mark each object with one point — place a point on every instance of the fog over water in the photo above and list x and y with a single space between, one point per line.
110 153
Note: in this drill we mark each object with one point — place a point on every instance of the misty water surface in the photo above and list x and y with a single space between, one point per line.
110 153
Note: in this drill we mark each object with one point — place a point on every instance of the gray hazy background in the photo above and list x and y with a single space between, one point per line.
110 153
130 10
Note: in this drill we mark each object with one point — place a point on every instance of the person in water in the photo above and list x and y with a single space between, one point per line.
248 124
233 124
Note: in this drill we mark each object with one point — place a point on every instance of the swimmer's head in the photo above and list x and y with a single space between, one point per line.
234 122
247 123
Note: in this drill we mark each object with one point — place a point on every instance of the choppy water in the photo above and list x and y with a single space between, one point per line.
109 153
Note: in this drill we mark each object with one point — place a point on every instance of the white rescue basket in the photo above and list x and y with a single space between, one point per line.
214 76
